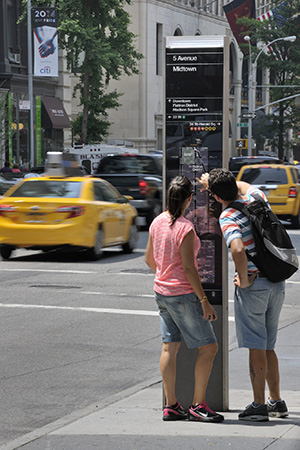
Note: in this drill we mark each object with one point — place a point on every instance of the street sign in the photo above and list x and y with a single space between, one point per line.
241 144
242 124
248 115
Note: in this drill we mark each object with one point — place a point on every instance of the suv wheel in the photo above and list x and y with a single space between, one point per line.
296 221
155 211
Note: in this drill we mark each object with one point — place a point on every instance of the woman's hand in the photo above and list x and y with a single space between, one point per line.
209 312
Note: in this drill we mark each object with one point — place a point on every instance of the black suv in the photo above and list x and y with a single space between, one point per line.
136 175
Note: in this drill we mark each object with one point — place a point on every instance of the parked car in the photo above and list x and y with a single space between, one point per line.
237 162
78 212
281 184
137 175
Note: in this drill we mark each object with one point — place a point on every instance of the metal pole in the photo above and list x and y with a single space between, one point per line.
250 100
30 84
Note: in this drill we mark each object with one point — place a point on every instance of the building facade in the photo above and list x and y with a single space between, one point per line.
140 117
51 130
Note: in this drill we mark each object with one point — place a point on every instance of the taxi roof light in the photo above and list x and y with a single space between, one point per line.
62 165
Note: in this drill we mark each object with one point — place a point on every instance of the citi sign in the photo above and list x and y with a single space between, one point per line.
45 70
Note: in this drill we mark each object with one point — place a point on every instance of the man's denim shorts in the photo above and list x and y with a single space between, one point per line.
182 316
257 310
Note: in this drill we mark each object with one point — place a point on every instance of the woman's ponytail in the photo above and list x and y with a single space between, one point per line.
179 191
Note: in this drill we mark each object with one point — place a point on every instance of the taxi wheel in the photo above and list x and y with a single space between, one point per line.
95 252
296 221
133 237
6 251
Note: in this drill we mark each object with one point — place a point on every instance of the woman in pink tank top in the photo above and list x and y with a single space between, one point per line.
184 309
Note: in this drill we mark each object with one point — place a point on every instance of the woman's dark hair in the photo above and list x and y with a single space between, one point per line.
222 183
179 191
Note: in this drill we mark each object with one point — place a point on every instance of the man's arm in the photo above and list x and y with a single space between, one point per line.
243 187
241 264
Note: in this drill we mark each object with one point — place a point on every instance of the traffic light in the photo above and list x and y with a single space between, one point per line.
241 144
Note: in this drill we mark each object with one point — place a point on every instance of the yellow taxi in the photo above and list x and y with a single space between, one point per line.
281 185
79 212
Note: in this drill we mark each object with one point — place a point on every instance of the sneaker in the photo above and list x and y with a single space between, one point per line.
202 413
257 413
175 412
277 409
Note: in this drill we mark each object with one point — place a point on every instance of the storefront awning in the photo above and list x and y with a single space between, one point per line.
56 112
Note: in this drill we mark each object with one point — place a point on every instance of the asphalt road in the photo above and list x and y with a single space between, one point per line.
74 332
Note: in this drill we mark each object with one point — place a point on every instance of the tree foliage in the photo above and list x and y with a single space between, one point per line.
99 47
282 58
3 119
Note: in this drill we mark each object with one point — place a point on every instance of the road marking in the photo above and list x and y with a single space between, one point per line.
134 312
46 270
79 308
116 295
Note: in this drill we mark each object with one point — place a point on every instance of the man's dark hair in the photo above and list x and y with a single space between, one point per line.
222 183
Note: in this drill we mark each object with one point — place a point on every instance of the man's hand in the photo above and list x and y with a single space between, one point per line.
203 181
248 281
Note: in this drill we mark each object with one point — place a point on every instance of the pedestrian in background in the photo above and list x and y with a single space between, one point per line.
184 309
257 300
15 168
6 167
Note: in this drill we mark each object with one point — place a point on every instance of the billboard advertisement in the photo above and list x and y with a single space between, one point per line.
44 22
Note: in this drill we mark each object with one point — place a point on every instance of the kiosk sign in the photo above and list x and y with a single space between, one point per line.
194 87
196 140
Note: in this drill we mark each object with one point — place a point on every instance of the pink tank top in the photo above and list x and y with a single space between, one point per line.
170 278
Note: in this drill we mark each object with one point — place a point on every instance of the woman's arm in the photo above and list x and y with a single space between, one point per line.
149 259
187 257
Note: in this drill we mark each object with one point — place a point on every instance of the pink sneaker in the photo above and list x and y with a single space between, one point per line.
175 412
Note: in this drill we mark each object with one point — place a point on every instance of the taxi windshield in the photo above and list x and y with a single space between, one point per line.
265 175
48 188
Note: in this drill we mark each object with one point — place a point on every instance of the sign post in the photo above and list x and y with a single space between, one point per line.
196 126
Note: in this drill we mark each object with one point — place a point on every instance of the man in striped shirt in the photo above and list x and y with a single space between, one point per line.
257 300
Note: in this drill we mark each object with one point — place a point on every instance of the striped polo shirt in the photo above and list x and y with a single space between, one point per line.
234 224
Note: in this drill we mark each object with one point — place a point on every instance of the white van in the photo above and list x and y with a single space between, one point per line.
90 155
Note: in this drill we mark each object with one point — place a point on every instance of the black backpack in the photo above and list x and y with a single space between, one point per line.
275 255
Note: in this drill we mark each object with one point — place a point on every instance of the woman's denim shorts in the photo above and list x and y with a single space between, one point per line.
257 310
182 316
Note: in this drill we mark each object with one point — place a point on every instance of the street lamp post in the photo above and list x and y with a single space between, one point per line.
251 84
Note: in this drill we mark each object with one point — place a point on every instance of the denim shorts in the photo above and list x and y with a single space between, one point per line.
257 310
182 316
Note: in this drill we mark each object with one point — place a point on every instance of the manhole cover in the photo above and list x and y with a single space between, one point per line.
54 286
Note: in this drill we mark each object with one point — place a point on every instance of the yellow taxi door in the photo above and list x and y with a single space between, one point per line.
112 212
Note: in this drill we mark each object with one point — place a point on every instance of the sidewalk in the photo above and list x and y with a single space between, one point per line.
132 419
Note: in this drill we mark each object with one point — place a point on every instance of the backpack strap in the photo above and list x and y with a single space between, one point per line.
240 206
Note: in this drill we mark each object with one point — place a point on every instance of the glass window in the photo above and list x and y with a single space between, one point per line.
98 191
48 188
110 194
265 175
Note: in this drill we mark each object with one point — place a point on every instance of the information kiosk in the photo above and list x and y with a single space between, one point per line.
196 88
